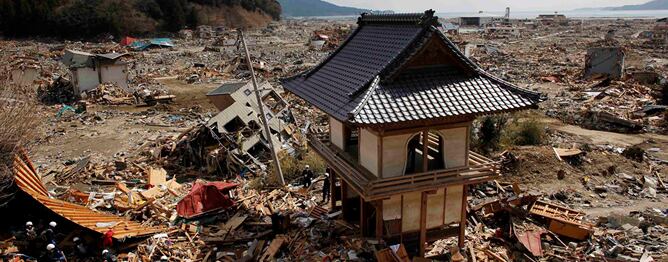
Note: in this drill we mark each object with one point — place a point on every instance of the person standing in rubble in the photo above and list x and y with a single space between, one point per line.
31 232
80 248
49 234
53 254
108 256
108 239
31 237
307 175
325 188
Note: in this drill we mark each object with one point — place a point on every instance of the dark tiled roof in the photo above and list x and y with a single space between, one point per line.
332 86
227 88
353 83
435 93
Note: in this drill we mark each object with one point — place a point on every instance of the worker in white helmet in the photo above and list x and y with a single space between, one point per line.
31 246
31 233
49 234
80 248
53 254
325 188
164 259
107 256
307 175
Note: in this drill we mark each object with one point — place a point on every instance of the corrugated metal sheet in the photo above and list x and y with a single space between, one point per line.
27 179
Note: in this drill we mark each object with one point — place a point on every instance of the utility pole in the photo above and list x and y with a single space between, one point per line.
263 118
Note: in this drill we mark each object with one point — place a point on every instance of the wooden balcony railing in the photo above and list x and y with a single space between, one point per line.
480 169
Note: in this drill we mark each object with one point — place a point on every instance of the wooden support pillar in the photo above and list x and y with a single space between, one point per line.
423 223
401 221
425 150
363 225
462 221
379 219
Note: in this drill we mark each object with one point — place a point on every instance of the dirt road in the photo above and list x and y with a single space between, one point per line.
657 143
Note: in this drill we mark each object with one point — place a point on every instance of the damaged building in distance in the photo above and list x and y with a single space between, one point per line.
401 98
89 70
239 115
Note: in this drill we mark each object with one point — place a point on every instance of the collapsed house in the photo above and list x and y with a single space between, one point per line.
401 98
239 116
606 61
25 71
90 70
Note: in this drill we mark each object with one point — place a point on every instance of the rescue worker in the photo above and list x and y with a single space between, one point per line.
307 175
108 239
325 188
80 249
49 234
31 238
108 256
53 254
164 259
31 233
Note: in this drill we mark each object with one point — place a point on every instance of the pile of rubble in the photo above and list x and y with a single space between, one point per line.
593 80
108 94
612 106
59 91
518 226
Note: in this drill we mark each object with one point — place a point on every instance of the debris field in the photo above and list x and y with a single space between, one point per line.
161 146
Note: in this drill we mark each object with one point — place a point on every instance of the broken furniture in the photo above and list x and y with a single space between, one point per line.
401 98
562 221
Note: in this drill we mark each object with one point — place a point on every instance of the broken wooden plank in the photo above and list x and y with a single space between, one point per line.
273 248
156 176
386 255
494 255
234 222
472 251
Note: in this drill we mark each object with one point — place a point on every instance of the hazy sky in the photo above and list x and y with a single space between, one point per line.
484 5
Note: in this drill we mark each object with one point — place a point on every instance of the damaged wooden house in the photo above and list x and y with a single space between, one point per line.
89 70
239 117
401 98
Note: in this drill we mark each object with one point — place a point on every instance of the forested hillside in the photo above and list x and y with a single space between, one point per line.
81 18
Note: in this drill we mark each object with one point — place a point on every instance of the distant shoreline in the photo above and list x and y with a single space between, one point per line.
578 13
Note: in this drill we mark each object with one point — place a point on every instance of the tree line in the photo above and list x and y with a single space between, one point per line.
81 18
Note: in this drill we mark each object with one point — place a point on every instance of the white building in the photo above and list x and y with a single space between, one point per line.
89 70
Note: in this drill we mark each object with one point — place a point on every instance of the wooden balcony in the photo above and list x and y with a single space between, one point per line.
480 169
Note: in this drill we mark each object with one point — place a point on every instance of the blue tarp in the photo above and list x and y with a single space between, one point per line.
154 42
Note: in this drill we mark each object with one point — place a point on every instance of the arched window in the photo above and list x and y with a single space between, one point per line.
425 153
